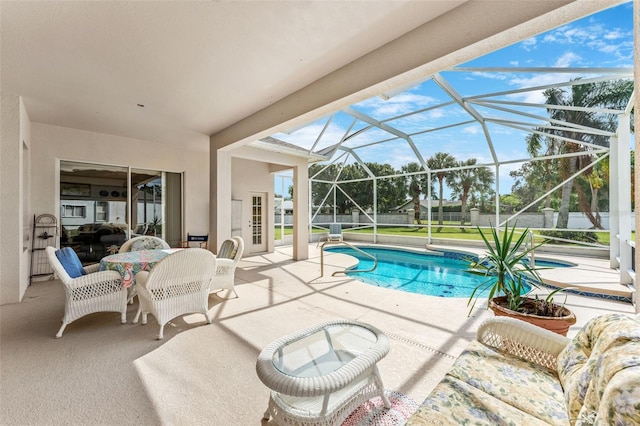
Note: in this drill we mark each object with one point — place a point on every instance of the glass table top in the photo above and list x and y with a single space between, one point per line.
324 350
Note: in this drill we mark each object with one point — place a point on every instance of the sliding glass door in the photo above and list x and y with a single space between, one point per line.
101 206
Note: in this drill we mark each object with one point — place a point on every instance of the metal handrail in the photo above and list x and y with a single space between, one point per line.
530 243
372 257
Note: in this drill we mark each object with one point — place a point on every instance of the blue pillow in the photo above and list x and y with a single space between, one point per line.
70 262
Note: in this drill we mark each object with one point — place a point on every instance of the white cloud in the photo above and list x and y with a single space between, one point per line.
613 35
491 75
436 113
529 43
566 60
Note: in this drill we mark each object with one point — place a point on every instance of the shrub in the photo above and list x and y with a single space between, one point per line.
582 236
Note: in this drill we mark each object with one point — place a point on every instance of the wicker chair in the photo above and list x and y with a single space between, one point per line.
145 242
229 255
177 285
94 292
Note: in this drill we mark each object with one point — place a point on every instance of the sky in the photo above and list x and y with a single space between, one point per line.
601 40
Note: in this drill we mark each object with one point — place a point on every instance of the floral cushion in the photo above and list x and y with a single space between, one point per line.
454 402
600 372
148 244
485 384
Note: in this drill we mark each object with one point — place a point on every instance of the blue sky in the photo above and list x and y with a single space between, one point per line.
601 40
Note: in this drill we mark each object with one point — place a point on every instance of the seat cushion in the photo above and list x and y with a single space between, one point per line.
70 262
600 371
228 249
454 402
528 387
147 244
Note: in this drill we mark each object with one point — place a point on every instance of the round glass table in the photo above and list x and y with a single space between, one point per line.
321 374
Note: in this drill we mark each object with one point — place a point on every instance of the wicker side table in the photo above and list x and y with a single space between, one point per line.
319 375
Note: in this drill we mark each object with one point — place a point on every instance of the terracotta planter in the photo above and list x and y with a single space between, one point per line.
558 325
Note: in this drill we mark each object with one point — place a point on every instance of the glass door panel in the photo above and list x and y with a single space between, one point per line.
258 210
93 208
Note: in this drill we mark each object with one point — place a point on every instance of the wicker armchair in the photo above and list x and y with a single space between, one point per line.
177 285
145 242
226 266
94 292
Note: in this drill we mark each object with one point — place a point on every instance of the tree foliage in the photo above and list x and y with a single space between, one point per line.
607 94
440 161
468 180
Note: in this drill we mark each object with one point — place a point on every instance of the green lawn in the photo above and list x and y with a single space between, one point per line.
449 230
454 232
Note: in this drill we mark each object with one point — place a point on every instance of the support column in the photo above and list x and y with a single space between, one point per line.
300 212
475 216
548 217
614 203
220 191
624 201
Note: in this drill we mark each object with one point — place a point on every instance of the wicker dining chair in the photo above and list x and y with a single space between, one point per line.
177 285
229 255
90 292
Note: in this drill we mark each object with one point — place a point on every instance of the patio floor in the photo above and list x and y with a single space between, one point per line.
103 372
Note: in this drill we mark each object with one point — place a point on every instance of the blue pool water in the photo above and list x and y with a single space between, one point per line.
421 273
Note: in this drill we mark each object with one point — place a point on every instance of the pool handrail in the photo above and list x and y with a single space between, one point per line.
372 257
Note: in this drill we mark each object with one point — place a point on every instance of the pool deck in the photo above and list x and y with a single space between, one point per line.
591 275
98 358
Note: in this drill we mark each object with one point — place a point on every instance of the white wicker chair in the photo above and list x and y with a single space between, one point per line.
177 285
94 292
145 240
226 269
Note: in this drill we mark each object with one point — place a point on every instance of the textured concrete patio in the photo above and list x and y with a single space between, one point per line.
205 374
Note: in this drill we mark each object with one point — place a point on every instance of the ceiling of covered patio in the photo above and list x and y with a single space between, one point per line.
173 72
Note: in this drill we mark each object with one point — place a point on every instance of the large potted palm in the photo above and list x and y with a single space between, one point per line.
511 278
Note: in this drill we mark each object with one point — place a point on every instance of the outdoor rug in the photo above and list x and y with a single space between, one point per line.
373 413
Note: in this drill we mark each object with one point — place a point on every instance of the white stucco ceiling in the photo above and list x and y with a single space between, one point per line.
197 67
201 67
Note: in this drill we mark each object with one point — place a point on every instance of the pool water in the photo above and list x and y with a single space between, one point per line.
421 273
414 272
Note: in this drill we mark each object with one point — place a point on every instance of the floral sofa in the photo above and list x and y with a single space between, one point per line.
519 374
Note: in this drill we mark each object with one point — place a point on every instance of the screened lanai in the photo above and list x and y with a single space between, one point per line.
495 141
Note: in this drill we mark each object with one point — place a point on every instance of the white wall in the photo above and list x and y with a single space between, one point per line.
14 220
45 145
52 142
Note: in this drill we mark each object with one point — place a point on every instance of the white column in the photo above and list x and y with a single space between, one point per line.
624 201
300 212
220 190
614 202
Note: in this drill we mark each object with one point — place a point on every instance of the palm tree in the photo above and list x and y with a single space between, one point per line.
607 94
440 161
414 183
465 181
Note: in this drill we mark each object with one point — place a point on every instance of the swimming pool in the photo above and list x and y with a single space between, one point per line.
423 273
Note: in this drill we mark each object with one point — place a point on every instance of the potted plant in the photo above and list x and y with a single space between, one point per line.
509 273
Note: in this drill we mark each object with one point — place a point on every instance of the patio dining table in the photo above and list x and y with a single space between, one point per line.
132 262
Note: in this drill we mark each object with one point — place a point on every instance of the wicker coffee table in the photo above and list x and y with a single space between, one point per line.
319 375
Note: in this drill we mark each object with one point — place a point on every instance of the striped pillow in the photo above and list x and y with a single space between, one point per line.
228 249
